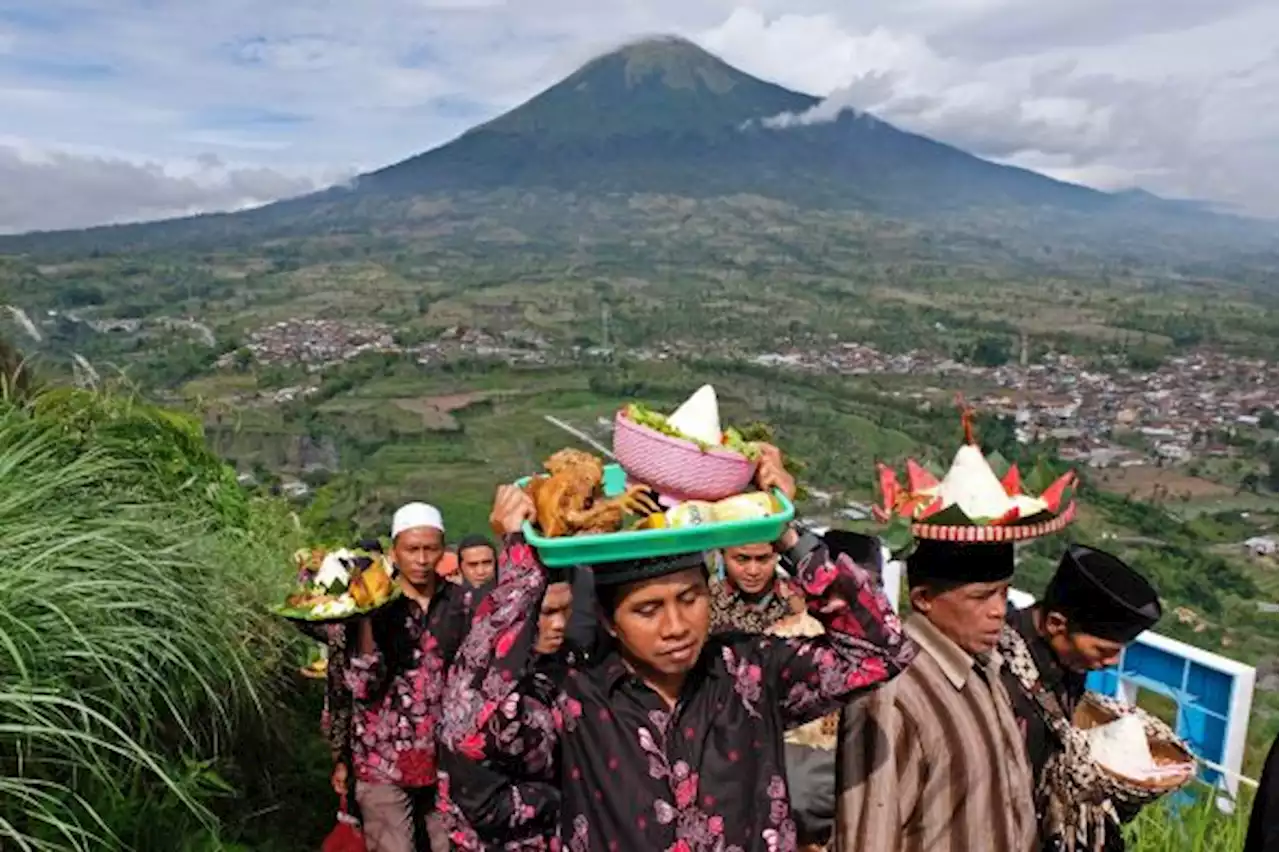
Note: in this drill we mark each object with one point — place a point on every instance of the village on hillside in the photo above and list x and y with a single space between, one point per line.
1148 433
1179 411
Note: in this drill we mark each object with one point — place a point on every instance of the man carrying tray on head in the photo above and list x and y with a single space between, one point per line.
1093 607
672 738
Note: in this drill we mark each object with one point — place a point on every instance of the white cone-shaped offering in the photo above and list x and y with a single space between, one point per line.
699 417
971 484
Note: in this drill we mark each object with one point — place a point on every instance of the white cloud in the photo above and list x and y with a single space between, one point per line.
813 53
50 189
1076 115
299 53
1179 95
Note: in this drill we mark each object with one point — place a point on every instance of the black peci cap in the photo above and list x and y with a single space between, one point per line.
956 562
1102 596
635 570
476 540
864 550
564 574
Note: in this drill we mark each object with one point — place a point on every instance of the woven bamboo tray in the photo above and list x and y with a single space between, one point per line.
1167 752
984 534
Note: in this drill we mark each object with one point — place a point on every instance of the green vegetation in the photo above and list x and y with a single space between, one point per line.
381 430
145 701
989 351
1196 827
142 673
136 656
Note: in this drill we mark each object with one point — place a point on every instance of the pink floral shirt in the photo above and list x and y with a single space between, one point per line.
704 776
397 690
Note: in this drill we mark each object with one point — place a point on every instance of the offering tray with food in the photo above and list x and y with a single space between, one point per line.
337 585
972 502
1113 757
588 513
1133 749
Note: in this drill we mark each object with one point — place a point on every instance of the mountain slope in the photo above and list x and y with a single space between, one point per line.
657 85
663 115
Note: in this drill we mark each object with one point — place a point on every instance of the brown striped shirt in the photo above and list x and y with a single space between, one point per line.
933 760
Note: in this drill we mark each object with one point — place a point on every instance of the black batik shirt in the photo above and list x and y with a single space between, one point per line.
1067 686
637 776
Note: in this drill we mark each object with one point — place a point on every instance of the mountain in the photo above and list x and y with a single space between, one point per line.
1139 198
660 85
664 117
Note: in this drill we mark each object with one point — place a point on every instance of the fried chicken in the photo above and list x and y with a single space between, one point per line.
569 499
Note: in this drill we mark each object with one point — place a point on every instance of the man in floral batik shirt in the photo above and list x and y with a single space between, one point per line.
748 592
751 592
477 565
671 738
512 804
396 675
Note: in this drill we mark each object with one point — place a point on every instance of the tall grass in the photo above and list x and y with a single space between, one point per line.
135 652
1195 827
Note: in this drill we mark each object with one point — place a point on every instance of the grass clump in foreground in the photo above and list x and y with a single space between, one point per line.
141 687
1197 826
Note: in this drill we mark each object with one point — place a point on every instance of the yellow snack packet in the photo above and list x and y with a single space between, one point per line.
745 507
692 514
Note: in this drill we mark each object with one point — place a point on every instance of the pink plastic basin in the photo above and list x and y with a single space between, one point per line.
677 468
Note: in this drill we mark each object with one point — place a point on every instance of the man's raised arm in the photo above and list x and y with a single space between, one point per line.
863 645
498 649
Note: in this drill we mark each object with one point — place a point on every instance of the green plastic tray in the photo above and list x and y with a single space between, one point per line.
648 544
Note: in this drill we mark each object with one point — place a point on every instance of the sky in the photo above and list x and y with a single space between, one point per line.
123 110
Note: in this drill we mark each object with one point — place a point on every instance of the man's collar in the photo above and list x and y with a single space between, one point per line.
613 668
956 663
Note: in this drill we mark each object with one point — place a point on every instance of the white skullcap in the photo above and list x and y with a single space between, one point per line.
412 515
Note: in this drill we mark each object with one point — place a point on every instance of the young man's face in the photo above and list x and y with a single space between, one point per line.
416 552
971 614
751 567
663 623
1076 651
553 618
477 564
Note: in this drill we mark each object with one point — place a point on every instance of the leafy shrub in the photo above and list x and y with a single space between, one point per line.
161 454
